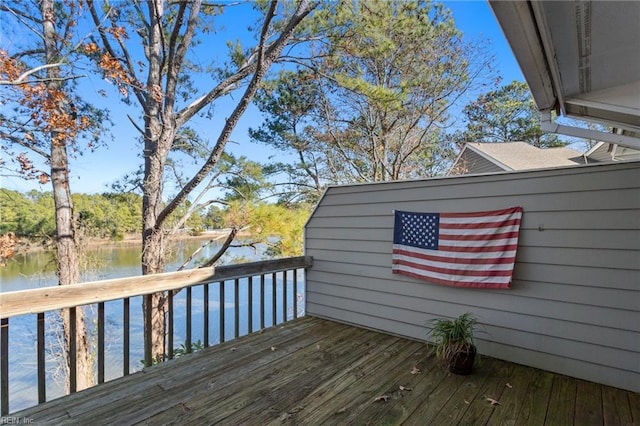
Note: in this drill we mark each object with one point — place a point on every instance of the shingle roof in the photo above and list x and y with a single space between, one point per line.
522 156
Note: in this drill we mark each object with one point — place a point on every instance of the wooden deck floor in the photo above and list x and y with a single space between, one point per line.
317 372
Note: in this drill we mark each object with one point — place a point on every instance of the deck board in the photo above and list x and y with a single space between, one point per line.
312 371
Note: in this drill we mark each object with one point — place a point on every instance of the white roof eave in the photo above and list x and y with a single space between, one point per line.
529 27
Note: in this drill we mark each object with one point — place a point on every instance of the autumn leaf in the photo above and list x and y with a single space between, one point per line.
493 401
402 388
415 370
273 348
381 398
509 386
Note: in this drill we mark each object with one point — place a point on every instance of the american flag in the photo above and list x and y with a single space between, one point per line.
475 249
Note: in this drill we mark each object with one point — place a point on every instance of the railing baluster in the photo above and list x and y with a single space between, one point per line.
236 300
4 366
262 306
72 350
148 339
295 293
284 296
205 291
250 305
221 311
189 298
101 342
125 336
273 297
170 320
42 388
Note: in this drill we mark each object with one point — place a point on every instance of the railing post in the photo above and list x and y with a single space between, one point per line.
101 342
236 312
221 305
274 303
284 296
125 336
4 366
295 293
188 338
72 351
170 321
205 291
262 305
42 388
148 342
250 304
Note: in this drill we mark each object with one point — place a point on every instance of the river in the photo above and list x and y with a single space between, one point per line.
37 269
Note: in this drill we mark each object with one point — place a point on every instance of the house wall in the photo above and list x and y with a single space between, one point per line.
574 305
471 162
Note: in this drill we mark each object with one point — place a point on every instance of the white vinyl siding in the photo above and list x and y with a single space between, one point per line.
574 306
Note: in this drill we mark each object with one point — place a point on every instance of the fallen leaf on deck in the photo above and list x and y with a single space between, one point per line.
317 346
383 398
466 402
415 370
233 349
493 401
402 388
509 386
273 348
342 410
184 407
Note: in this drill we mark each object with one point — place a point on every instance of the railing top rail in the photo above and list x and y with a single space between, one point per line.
59 297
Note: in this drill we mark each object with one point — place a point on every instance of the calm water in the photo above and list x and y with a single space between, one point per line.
37 270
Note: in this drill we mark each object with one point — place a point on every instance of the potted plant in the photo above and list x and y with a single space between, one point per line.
452 341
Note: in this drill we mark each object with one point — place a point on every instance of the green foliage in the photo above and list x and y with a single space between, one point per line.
288 104
450 336
28 215
213 218
241 178
507 114
31 215
187 349
178 352
370 103
278 226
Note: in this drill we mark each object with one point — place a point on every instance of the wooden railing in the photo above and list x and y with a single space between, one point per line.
39 301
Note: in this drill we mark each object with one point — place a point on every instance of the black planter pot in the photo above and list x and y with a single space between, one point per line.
462 362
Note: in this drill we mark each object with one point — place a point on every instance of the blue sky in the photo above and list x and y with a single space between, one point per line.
93 172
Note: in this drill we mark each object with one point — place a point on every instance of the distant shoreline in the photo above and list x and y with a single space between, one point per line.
130 240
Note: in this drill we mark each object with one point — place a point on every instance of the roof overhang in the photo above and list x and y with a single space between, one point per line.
580 59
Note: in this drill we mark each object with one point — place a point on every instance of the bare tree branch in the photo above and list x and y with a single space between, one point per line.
21 79
265 59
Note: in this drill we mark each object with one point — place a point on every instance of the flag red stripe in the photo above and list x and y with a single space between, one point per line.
482 237
455 283
459 272
479 249
459 260
480 225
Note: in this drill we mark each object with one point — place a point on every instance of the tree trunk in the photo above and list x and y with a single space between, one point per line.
66 247
153 242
